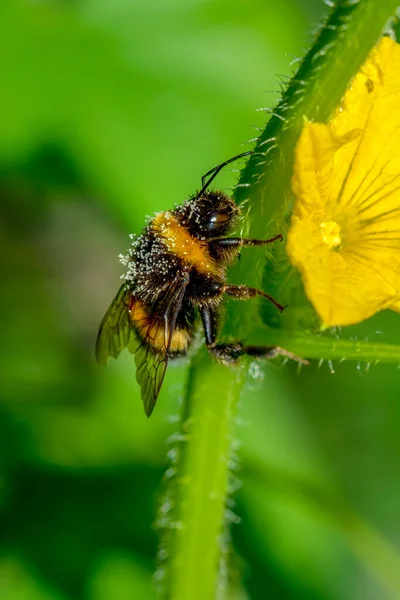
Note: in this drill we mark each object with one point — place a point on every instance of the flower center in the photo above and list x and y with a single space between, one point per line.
330 232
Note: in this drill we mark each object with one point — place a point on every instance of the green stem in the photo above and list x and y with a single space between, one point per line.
330 348
211 403
203 480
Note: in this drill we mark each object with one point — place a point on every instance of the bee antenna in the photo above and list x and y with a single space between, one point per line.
214 172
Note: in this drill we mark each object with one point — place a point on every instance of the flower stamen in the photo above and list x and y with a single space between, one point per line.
330 232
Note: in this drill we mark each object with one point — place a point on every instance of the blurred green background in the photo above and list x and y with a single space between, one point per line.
111 110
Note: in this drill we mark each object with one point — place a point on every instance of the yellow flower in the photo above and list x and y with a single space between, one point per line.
345 231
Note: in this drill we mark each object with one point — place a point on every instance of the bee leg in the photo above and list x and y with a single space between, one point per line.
230 353
228 248
252 242
209 318
236 242
242 292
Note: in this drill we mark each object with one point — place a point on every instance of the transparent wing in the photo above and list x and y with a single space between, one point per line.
151 363
116 331
151 348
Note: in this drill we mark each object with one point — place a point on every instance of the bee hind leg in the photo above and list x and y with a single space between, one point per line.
230 353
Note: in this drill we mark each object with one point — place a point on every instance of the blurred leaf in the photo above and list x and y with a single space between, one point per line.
119 577
17 582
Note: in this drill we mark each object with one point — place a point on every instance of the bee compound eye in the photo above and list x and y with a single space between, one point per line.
216 218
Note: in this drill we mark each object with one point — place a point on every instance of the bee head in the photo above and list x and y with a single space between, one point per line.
210 215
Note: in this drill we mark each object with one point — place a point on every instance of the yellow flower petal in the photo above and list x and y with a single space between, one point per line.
345 231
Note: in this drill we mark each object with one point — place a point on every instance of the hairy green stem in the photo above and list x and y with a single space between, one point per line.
329 348
203 480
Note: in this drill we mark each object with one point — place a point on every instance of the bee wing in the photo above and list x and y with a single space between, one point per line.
151 364
117 332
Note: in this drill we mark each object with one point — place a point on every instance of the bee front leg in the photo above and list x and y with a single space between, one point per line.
236 242
228 248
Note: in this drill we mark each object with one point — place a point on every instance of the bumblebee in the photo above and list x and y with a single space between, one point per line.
176 268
